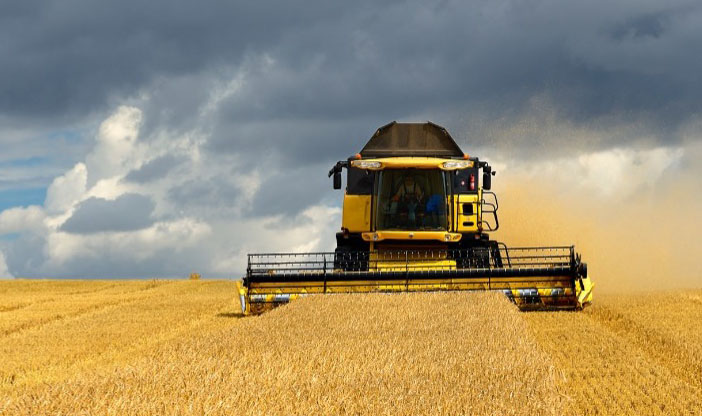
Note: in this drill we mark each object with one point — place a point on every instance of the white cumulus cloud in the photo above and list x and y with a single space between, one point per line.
66 189
609 174
22 219
156 206
117 146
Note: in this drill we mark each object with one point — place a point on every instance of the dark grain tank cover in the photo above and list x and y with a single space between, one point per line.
411 139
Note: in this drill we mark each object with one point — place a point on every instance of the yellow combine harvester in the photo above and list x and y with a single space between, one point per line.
416 218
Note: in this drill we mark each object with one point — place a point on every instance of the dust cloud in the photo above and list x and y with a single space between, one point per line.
635 217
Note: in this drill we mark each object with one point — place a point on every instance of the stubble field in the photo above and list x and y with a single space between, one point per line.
181 347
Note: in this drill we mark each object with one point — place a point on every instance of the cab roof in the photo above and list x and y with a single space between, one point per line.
413 140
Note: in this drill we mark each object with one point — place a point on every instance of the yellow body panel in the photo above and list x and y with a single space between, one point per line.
356 215
411 235
357 210
413 162
523 290
457 283
584 293
463 216
392 261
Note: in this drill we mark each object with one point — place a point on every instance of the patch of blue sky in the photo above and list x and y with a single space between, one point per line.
27 162
11 198
68 135
9 236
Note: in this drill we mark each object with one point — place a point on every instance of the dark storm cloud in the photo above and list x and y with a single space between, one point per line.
74 55
215 197
291 190
129 212
154 169
24 254
354 61
293 142
646 25
261 98
341 78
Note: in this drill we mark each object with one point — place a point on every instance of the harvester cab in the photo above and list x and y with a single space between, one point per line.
417 213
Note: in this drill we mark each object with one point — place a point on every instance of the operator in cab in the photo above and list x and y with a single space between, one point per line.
409 198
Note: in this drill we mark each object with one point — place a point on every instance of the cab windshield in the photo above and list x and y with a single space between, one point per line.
411 199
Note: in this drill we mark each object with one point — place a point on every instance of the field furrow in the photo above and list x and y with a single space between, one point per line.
661 324
605 373
182 347
374 354
40 308
109 333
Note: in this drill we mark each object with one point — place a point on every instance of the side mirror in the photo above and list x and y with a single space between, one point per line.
337 180
487 178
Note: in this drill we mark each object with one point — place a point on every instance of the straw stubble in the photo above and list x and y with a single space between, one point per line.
452 353
180 347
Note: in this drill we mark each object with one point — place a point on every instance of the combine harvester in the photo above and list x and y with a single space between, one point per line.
416 219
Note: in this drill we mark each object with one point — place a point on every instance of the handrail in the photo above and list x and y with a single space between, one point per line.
499 258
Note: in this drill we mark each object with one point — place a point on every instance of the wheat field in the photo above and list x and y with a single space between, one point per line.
181 347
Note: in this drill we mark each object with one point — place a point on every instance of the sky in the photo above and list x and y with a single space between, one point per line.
160 138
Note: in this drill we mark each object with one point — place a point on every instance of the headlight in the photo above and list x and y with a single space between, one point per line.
366 164
457 164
